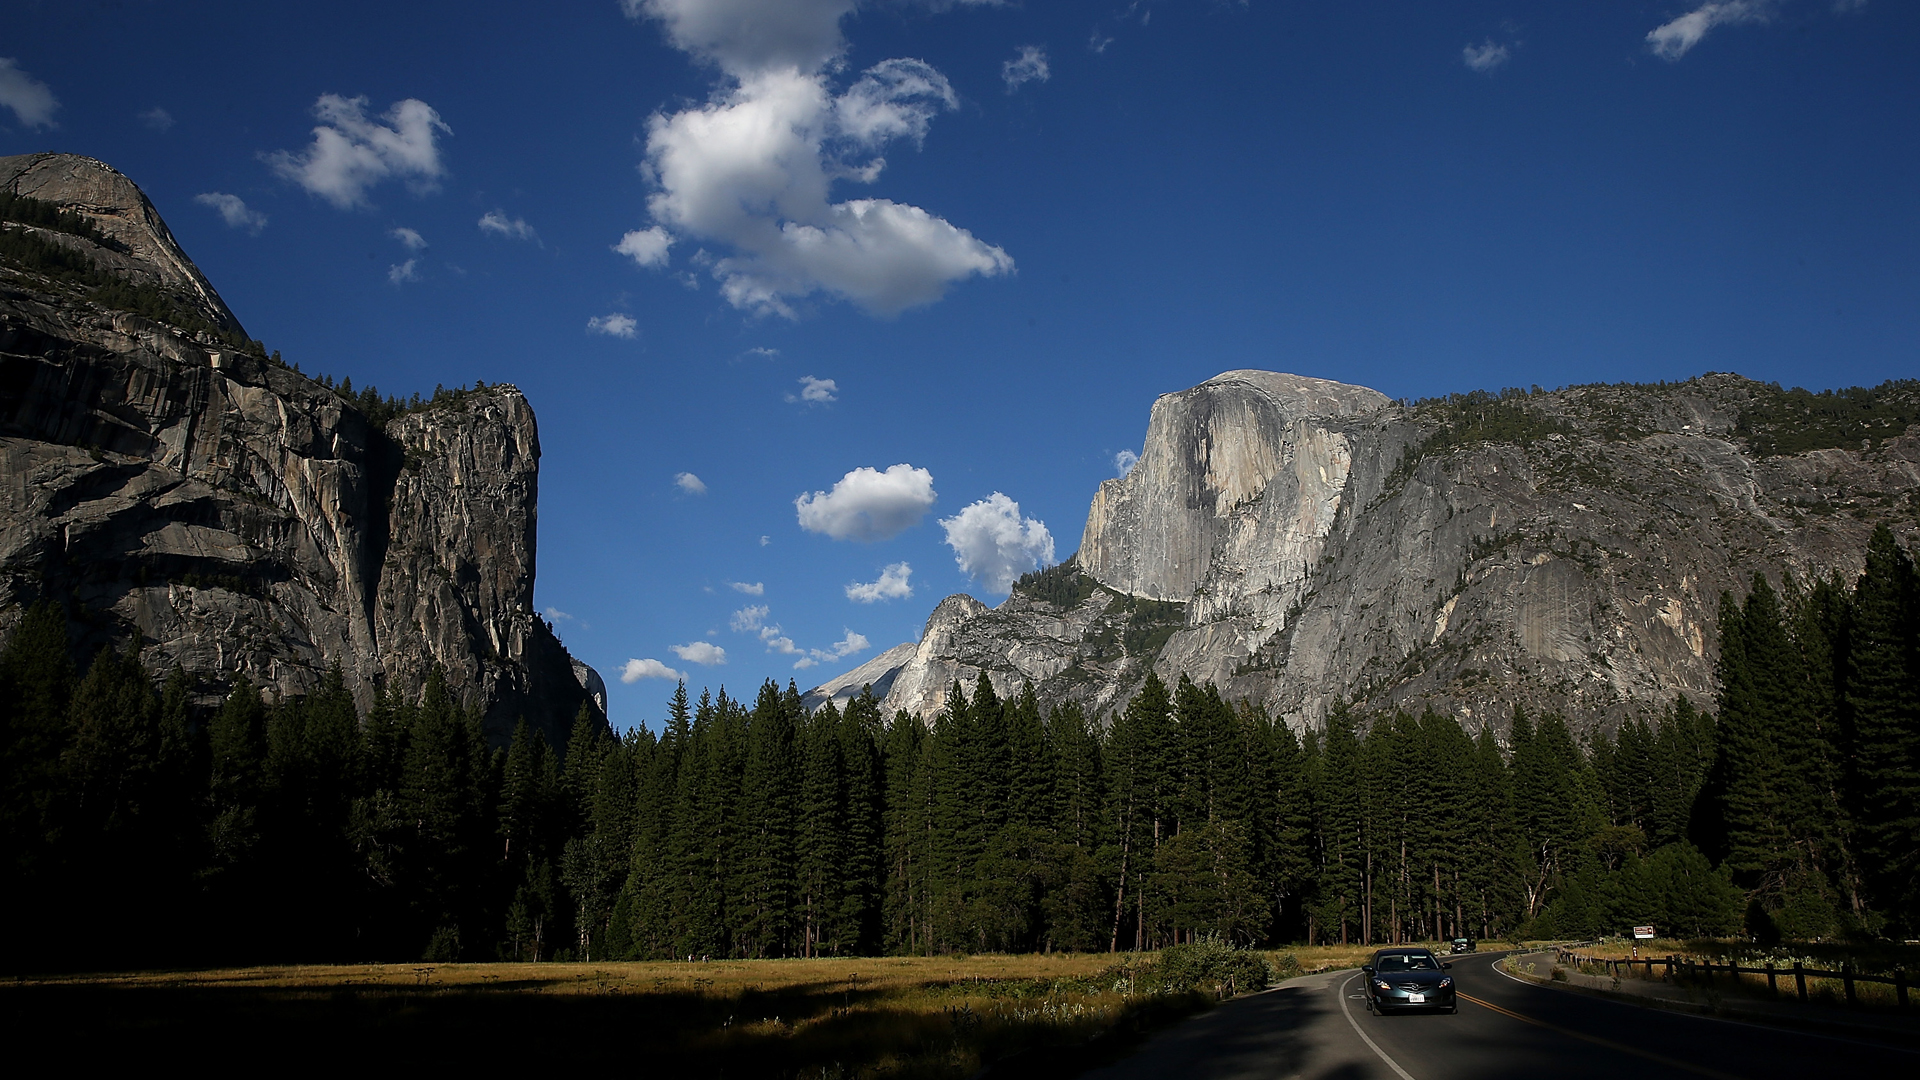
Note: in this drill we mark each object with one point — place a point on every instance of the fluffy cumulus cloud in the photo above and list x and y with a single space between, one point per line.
351 153
1485 56
991 541
753 168
497 223
233 210
867 504
614 325
646 247
689 483
845 647
1124 461
1028 65
701 652
31 100
1672 40
893 585
751 588
408 238
816 391
635 670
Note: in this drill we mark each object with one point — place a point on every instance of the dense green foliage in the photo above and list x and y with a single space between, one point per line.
1063 584
26 210
1795 421
1475 418
136 829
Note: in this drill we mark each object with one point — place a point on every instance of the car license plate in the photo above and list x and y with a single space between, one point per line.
1416 999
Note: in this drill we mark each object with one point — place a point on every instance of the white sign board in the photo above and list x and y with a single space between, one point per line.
1643 933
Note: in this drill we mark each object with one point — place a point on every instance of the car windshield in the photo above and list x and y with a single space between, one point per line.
1405 962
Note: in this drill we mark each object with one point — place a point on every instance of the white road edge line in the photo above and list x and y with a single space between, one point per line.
1364 1037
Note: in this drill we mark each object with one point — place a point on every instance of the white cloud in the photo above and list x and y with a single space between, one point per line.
405 271
1124 461
846 646
748 619
991 540
31 100
869 505
753 168
816 391
1098 42
689 483
233 210
1671 40
351 153
1029 66
763 353
765 540
499 224
614 325
1486 56
754 588
413 241
701 652
157 119
556 615
635 670
646 247
891 586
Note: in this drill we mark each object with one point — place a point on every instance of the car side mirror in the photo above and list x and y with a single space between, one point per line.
1368 968
1446 965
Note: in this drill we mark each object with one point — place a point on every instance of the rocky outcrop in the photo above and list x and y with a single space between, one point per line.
1297 541
233 515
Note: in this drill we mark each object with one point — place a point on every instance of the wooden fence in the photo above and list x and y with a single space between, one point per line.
1687 969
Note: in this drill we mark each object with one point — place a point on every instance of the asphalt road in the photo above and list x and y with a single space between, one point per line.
1318 1028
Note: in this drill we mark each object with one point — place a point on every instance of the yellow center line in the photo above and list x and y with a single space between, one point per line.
1598 1041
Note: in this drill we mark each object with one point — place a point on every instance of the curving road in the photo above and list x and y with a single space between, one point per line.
1318 1028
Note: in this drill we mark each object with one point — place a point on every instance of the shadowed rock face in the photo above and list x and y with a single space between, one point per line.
240 517
1295 541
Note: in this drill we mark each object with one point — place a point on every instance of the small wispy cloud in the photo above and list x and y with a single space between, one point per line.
1028 65
689 483
635 670
845 647
748 619
233 210
157 119
703 653
411 240
554 614
1485 56
1124 461
498 223
31 100
406 271
761 352
816 391
646 247
1674 39
614 325
751 588
892 585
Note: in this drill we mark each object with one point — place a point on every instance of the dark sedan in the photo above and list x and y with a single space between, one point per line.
1408 979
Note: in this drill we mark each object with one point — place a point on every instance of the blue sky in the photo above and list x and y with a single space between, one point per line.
769 244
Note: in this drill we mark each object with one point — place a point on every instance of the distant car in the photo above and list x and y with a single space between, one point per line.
1462 945
1409 979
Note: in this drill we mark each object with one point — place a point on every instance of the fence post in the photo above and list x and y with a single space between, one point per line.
1800 981
1773 990
1900 985
1846 976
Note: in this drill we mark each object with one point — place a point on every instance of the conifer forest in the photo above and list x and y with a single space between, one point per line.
140 829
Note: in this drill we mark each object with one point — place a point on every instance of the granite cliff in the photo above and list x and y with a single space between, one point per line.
173 485
1297 541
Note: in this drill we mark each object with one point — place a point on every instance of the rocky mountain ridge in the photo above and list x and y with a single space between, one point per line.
233 515
1297 541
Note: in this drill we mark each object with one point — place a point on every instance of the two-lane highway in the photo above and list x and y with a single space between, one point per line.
1318 1028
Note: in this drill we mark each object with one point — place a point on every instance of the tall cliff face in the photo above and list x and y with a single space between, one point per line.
1296 541
239 517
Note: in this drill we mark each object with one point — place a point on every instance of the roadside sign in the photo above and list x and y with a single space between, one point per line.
1643 933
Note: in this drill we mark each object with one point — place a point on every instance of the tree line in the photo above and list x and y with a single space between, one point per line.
137 830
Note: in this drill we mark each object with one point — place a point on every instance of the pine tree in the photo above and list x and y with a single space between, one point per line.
1883 693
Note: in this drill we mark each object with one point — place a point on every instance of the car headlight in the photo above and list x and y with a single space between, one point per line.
1446 982
1382 986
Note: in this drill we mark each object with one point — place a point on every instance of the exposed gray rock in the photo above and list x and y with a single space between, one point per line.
240 517
1303 548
